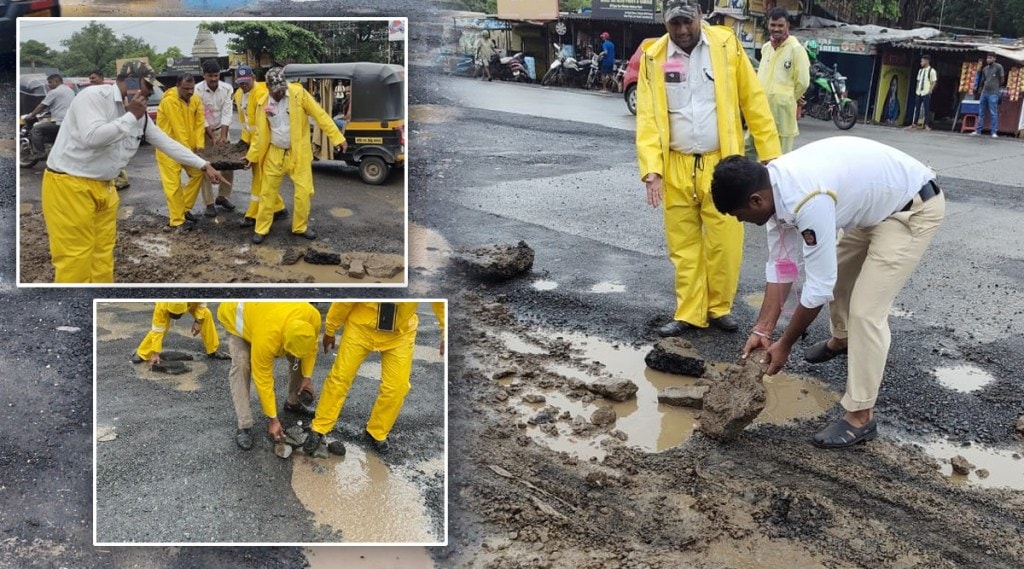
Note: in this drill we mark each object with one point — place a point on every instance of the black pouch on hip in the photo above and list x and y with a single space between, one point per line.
386 312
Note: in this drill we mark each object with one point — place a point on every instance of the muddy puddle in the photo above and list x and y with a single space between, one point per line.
24 208
1003 470
153 246
608 288
110 326
963 378
125 212
363 498
646 423
341 212
760 552
368 557
544 285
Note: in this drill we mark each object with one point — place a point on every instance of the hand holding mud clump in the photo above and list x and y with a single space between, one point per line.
735 397
225 156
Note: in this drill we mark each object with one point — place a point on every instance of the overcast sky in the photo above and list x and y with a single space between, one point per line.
159 33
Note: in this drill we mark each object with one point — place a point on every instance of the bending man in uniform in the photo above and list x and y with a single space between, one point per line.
259 333
164 314
693 84
889 208
385 327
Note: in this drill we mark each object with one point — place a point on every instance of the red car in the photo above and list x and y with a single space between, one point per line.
632 72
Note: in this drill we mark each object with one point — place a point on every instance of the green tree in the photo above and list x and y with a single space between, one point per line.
284 42
37 54
159 61
94 46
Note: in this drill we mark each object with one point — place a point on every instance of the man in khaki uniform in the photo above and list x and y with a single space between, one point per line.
784 74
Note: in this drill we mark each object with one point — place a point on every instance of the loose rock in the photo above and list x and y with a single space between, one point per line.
734 400
676 356
691 396
315 257
534 398
291 256
620 390
496 262
356 270
603 416
982 473
961 465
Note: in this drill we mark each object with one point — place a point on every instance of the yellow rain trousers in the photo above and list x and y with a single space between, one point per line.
359 338
272 330
248 119
162 321
81 220
184 123
297 162
705 246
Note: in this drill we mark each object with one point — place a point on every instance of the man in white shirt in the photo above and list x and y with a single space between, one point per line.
889 208
926 79
102 131
216 96
57 100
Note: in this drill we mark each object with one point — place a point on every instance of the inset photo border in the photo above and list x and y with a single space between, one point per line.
105 198
238 422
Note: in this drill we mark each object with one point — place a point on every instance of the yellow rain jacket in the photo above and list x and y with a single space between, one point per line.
153 343
257 95
737 89
365 314
265 326
181 121
785 74
301 107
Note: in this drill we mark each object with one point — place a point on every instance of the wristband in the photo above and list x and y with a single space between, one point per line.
761 334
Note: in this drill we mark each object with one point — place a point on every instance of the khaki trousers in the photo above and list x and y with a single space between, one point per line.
240 380
874 264
224 190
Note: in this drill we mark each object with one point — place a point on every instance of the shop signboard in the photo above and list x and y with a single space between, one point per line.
837 45
636 10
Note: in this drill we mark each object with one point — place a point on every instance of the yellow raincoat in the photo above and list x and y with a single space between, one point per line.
273 329
785 74
182 121
360 337
248 118
296 162
704 245
162 321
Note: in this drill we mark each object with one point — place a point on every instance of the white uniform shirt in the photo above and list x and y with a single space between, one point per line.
693 122
58 101
99 137
852 183
216 104
280 127
926 77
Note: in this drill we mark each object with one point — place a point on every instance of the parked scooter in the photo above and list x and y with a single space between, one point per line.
826 98
514 68
27 158
555 73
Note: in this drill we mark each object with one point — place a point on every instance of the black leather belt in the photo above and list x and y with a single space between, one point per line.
927 192
48 169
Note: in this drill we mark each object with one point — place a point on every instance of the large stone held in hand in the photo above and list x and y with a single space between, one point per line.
691 396
676 356
619 390
225 156
734 399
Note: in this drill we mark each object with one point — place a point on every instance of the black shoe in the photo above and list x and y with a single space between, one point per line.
675 328
283 214
224 203
313 440
299 409
136 359
821 353
247 222
336 447
187 226
243 438
218 355
189 216
842 434
211 211
382 447
727 323
308 234
257 238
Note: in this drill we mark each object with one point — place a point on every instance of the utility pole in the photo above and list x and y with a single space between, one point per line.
991 13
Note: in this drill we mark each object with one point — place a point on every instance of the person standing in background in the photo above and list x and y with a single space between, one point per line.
216 97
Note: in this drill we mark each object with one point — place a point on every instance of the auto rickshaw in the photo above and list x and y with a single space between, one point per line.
375 131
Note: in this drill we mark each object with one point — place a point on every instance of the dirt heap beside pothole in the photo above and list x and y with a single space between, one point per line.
496 262
225 156
736 396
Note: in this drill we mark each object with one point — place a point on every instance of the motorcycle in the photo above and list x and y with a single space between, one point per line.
514 68
27 158
827 99
594 74
565 70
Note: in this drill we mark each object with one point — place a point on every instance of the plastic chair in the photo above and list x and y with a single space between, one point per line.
970 123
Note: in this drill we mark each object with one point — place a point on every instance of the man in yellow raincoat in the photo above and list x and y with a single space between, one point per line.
259 332
247 95
785 73
693 84
385 327
164 314
180 115
281 145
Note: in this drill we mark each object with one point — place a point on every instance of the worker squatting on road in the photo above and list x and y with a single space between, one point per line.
281 145
385 327
246 97
259 332
180 115
694 82
889 209
101 132
164 315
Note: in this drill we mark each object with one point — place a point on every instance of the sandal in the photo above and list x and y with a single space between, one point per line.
842 434
821 353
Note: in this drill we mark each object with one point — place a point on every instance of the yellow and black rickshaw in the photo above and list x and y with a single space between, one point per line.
375 130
